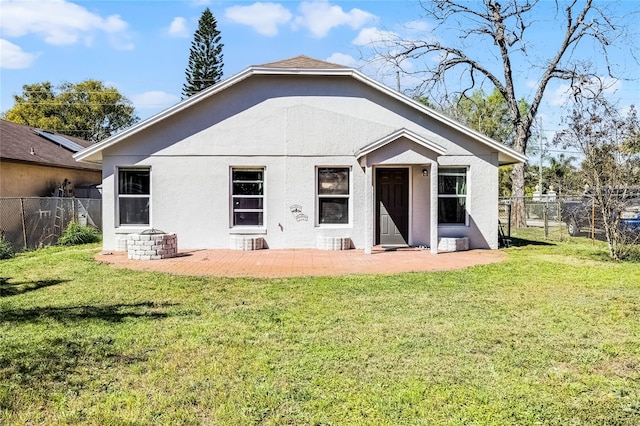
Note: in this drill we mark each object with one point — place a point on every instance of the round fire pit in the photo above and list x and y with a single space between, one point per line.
152 244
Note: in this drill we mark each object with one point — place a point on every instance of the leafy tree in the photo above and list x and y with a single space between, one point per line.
504 180
610 169
489 115
88 110
562 175
488 31
205 56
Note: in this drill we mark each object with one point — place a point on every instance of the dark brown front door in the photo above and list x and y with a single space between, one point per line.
392 206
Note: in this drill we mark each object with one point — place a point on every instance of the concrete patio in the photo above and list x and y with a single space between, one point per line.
303 262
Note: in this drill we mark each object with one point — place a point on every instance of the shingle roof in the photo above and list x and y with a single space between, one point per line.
21 143
302 62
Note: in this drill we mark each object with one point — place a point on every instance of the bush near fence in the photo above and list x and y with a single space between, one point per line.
29 223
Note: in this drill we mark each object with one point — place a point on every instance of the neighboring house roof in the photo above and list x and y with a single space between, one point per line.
26 144
300 65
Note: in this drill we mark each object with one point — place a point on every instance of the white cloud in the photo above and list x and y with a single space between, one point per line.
154 100
319 17
13 57
611 85
380 69
178 27
343 59
372 36
625 110
418 26
264 18
562 94
60 23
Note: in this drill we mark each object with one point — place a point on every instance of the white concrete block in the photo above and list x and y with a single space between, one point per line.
453 244
333 243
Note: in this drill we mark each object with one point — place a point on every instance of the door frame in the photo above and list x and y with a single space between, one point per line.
376 218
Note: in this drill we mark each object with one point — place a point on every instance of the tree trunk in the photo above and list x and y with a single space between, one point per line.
519 219
612 239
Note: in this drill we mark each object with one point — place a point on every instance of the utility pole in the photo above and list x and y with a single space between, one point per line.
541 155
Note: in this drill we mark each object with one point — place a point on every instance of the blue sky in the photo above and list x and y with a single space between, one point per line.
142 47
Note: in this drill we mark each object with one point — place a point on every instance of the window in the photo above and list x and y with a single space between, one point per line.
452 196
333 195
247 196
134 196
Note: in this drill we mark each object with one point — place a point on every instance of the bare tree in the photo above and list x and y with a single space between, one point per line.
491 37
610 167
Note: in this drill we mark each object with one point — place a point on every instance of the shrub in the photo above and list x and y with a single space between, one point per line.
78 234
6 252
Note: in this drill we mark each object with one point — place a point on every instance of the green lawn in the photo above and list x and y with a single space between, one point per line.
550 336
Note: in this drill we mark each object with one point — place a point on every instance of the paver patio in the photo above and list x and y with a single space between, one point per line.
303 262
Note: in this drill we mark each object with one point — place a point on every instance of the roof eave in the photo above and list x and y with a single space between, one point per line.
507 160
306 71
400 133
48 164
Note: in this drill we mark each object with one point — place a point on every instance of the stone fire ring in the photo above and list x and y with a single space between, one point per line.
152 244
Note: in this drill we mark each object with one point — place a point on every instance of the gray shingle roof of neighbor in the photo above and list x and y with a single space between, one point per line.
302 62
23 143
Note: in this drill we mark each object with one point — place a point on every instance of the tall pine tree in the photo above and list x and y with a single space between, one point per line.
205 57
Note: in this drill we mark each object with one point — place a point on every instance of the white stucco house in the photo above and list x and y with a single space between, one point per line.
301 153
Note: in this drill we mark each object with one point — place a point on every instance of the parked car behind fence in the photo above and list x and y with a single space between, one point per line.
586 215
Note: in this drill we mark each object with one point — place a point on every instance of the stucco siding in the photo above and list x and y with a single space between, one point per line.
32 180
290 125
482 196
191 197
309 117
420 231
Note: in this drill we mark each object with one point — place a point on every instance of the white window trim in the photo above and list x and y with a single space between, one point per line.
134 227
466 196
248 229
318 196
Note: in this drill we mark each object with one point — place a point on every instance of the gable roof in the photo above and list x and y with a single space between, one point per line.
300 65
302 62
27 144
401 133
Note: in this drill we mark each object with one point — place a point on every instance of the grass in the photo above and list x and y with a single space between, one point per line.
549 336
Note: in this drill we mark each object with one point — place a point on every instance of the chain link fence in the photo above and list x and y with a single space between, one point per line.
540 212
29 223
560 217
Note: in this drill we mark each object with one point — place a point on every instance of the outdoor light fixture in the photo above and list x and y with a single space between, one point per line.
425 172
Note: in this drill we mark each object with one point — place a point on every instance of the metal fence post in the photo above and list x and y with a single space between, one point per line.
545 217
509 219
24 223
